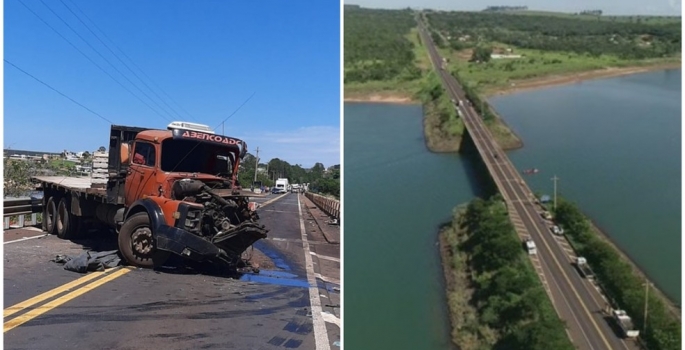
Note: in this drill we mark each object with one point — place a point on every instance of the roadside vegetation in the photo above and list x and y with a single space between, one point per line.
442 126
549 44
620 281
496 300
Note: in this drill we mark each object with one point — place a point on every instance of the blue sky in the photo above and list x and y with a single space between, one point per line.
610 7
209 56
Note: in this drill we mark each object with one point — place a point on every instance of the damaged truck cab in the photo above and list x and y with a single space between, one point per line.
167 191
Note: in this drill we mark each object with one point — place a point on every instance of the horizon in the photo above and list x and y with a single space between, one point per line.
673 10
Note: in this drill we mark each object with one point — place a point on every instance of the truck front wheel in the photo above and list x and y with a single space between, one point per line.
137 244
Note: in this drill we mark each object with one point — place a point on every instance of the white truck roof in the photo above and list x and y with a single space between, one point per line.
190 126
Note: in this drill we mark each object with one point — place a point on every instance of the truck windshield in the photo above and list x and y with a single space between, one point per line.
196 157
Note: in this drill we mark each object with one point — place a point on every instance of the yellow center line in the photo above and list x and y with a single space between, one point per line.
15 322
51 293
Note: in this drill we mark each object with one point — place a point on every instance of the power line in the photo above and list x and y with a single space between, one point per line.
103 57
131 60
198 143
57 91
89 59
236 111
117 57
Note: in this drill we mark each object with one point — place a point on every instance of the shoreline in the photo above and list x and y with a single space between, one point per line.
377 98
575 78
526 84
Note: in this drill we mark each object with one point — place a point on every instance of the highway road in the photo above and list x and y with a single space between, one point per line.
577 301
294 302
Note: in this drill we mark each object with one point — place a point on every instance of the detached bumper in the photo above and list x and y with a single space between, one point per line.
185 244
227 247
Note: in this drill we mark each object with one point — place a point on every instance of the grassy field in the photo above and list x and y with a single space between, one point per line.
499 74
60 163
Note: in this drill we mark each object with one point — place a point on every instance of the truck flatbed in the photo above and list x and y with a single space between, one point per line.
83 185
79 184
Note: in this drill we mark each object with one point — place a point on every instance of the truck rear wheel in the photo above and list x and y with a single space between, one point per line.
136 242
66 223
50 216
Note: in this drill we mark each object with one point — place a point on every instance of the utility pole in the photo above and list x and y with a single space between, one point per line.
222 128
644 330
555 178
256 166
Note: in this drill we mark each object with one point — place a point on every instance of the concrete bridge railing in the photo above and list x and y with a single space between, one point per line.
328 205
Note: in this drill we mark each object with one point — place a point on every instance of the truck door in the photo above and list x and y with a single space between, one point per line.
140 176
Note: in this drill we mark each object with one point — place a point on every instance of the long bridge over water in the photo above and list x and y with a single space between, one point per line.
577 301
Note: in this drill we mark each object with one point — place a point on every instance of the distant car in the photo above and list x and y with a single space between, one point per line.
557 230
277 190
530 246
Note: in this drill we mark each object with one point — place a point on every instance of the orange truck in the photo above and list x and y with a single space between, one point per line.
163 192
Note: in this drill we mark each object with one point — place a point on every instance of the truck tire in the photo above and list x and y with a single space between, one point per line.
50 216
137 245
67 224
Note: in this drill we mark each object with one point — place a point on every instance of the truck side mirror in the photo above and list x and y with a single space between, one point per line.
124 153
243 150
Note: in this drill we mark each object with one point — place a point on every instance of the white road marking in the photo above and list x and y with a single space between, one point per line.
330 318
274 211
26 238
327 279
270 201
320 333
325 257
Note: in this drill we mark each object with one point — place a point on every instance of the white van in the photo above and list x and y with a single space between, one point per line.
530 246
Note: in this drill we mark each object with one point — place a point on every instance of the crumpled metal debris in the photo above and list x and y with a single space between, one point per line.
89 261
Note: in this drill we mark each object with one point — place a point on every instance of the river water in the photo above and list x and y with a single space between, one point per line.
614 144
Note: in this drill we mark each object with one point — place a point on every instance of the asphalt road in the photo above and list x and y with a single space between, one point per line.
576 300
292 303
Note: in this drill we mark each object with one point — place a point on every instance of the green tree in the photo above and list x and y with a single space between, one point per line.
17 176
481 54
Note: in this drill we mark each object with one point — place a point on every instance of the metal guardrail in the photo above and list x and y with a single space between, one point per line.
328 205
16 210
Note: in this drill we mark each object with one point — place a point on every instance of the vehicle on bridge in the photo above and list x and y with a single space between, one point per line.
584 268
557 230
163 191
626 323
282 184
530 246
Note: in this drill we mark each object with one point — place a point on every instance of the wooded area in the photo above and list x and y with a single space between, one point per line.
376 46
512 309
626 40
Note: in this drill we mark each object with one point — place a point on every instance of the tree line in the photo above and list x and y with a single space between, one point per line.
623 39
321 180
376 46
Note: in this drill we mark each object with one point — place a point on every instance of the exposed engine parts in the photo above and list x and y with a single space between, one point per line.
226 221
